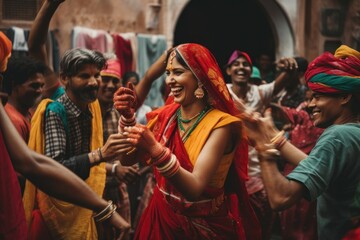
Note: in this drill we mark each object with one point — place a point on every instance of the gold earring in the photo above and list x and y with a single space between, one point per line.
199 92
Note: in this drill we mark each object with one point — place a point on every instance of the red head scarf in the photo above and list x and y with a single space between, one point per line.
113 69
204 66
5 51
339 73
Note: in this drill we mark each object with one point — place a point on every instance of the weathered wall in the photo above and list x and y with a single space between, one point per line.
131 15
110 15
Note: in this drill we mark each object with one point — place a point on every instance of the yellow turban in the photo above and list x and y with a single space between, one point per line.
344 51
5 51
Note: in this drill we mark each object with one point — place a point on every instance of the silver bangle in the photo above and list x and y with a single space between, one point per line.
114 168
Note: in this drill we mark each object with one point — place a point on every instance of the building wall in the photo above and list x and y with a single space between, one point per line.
111 15
304 17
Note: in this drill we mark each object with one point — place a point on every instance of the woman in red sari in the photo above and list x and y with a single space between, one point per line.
199 154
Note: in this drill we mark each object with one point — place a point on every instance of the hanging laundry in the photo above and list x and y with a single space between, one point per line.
150 48
93 39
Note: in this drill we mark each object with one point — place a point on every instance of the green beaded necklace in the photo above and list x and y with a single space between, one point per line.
186 120
190 129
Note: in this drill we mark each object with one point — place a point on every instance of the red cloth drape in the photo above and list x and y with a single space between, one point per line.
123 52
12 216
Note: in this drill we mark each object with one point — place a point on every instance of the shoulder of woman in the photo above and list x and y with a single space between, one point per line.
221 118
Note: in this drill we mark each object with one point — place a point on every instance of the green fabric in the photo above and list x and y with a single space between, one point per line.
60 110
150 48
343 83
331 174
58 93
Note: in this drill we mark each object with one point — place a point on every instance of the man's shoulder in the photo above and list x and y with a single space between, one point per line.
341 128
343 132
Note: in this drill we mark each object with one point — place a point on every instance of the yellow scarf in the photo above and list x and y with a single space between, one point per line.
65 220
194 144
197 139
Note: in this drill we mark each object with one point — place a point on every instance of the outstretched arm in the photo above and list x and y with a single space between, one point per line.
270 143
153 73
49 175
40 28
282 192
287 68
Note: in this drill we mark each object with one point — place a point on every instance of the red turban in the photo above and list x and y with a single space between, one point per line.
113 69
339 73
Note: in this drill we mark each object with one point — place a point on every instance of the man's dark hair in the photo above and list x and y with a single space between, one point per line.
302 64
19 70
75 59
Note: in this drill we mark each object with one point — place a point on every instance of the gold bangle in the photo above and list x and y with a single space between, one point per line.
111 211
131 151
97 215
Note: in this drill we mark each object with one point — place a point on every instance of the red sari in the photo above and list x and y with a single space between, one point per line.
169 218
228 214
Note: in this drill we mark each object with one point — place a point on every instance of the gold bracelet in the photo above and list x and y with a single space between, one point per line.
97 215
111 211
131 151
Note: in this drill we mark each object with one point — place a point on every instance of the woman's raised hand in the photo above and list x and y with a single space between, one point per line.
125 101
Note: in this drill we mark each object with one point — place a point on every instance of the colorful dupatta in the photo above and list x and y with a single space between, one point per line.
64 220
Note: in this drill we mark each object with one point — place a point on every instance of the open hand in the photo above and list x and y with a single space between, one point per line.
260 130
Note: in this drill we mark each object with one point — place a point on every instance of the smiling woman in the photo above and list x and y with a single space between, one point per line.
197 148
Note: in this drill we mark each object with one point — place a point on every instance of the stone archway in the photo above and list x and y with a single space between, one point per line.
252 26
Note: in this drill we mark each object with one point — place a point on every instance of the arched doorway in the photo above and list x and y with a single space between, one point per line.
223 26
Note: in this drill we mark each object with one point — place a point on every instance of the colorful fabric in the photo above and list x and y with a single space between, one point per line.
12 217
5 51
60 223
205 68
150 49
210 220
330 173
178 219
123 52
113 69
67 139
339 73
115 189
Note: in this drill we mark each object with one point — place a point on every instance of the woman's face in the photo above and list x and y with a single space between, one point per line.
181 81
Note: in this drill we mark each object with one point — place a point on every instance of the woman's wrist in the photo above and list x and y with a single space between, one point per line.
156 150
